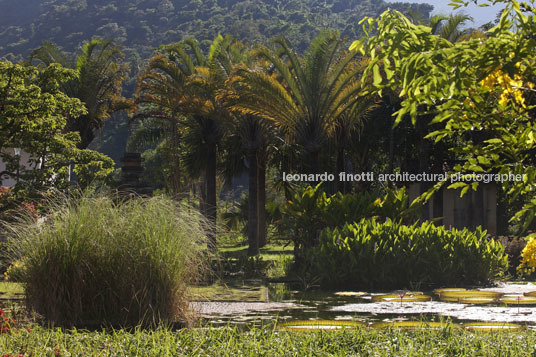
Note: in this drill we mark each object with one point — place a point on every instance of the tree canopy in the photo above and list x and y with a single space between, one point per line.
480 89
33 117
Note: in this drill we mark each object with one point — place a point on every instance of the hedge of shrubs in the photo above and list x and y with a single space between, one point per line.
373 255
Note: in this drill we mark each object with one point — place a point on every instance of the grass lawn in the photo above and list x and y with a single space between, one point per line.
248 274
271 251
266 341
9 290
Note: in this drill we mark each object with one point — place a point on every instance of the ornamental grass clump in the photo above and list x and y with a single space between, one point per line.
95 260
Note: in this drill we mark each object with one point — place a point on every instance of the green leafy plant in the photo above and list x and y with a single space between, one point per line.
311 210
95 260
372 255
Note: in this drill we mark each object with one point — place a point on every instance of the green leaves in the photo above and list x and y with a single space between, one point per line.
392 255
33 114
478 89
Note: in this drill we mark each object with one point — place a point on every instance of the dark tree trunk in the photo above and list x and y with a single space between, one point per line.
314 157
202 189
391 149
176 176
253 240
261 198
210 181
340 185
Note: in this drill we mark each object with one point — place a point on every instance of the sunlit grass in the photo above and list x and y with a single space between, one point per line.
267 341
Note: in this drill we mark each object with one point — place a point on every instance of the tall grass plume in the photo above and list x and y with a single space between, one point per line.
98 260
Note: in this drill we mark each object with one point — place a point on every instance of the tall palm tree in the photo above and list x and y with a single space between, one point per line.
303 97
253 133
161 92
101 73
183 83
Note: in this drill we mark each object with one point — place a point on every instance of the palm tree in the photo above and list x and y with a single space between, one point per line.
253 134
161 88
303 97
101 73
183 85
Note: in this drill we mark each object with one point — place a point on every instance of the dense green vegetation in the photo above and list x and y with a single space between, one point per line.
268 342
374 255
33 116
143 25
97 260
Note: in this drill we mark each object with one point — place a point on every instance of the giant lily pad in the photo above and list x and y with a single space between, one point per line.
470 296
308 325
518 300
351 293
401 298
412 325
491 326
447 290
530 293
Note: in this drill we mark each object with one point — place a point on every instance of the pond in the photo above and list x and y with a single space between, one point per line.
286 304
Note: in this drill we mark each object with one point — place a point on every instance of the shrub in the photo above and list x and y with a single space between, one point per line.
311 210
95 260
528 258
390 255
513 246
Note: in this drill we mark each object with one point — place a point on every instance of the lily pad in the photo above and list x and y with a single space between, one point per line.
518 300
401 298
447 290
530 293
470 296
351 293
491 326
477 300
309 325
412 325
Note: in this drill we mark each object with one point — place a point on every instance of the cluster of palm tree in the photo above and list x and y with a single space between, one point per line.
233 108
260 105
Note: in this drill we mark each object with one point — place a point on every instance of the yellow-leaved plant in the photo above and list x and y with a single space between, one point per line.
528 258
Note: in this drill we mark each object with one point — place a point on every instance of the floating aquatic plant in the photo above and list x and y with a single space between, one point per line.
413 325
408 297
470 296
491 326
308 325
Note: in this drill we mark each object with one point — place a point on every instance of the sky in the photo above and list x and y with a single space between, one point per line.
481 15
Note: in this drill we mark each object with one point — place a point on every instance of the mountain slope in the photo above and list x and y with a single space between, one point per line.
145 24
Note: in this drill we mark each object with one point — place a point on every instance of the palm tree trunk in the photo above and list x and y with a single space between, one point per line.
176 177
313 162
210 208
261 198
253 240
340 185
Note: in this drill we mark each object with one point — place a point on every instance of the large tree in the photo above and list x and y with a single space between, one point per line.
303 96
33 118
100 74
481 90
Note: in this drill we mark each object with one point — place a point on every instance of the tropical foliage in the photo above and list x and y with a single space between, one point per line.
480 89
311 210
33 118
100 74
369 254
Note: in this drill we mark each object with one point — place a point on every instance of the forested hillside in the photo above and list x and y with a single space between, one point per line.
145 24
142 25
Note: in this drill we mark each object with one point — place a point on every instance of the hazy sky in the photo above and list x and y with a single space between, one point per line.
481 15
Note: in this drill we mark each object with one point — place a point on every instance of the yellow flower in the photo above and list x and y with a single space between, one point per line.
528 258
511 88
